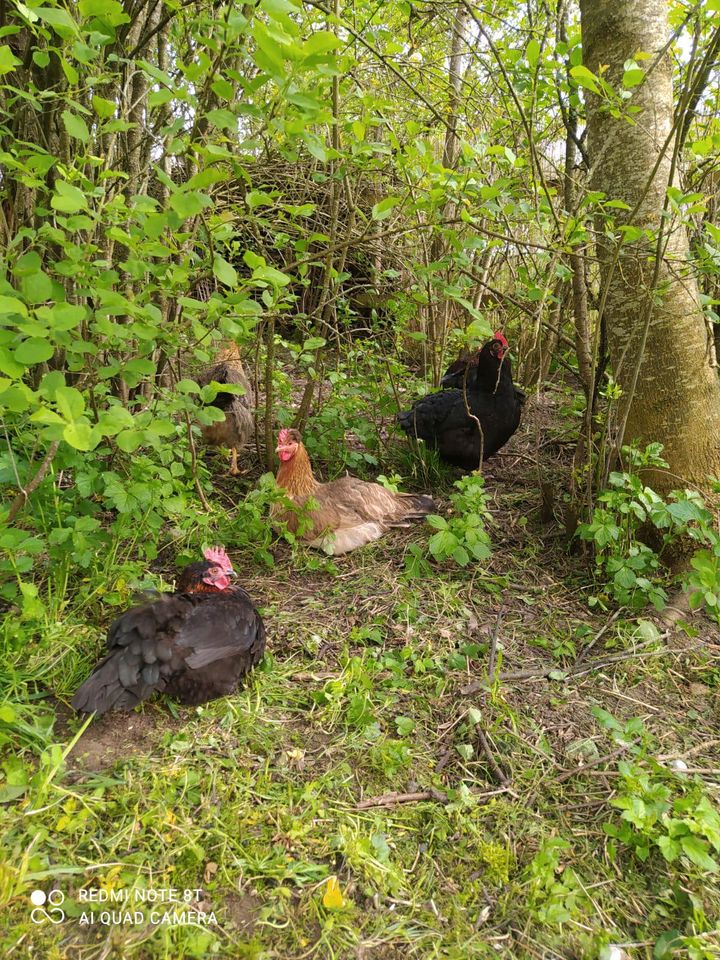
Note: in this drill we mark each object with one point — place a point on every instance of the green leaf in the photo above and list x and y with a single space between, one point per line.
36 287
103 108
70 402
223 119
109 11
189 204
695 849
383 209
130 440
67 199
532 52
80 435
34 351
11 306
7 713
439 523
10 792
8 61
59 19
631 78
666 944
584 78
320 42
65 316
75 126
314 343
224 271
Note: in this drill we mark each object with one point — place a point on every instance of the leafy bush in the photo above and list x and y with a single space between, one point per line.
463 537
633 570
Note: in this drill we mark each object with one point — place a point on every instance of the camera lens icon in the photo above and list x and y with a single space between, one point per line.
54 900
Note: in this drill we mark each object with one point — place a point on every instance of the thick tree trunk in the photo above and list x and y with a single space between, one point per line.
656 332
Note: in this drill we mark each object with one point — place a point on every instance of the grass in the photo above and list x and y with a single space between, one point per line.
254 802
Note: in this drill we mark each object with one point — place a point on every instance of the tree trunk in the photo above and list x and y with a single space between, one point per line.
656 332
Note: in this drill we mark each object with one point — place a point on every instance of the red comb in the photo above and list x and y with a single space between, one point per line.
499 335
283 436
217 555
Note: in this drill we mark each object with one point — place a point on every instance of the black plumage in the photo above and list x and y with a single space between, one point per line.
196 644
480 411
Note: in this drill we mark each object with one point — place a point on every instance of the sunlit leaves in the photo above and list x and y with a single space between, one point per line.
67 198
75 126
8 61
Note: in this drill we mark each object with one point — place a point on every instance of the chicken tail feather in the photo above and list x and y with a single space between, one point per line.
415 505
107 687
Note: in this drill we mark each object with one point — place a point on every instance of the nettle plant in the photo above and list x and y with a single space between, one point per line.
661 810
463 536
633 570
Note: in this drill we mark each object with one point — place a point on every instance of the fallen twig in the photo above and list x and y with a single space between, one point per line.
598 635
391 799
497 771
493 646
593 763
570 674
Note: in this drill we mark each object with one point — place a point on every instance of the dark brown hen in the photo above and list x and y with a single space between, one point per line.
195 644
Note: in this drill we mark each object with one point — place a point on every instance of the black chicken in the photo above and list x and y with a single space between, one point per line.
479 369
483 386
195 644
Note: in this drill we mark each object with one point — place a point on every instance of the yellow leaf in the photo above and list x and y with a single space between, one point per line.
333 898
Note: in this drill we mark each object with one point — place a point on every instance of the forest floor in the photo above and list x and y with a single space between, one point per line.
447 748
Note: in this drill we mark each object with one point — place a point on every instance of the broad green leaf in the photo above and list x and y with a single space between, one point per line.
632 77
320 42
223 119
37 287
8 61
110 11
59 19
585 78
129 440
695 848
383 208
75 126
224 271
80 435
34 351
273 276
65 316
67 198
10 306
70 402
189 204
103 108
532 52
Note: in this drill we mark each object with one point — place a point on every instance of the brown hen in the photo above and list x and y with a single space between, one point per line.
350 512
236 428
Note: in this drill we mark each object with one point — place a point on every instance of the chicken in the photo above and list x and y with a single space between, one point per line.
463 424
195 644
480 370
235 429
349 513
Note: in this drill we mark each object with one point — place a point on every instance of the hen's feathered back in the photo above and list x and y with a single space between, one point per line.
195 646
350 512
